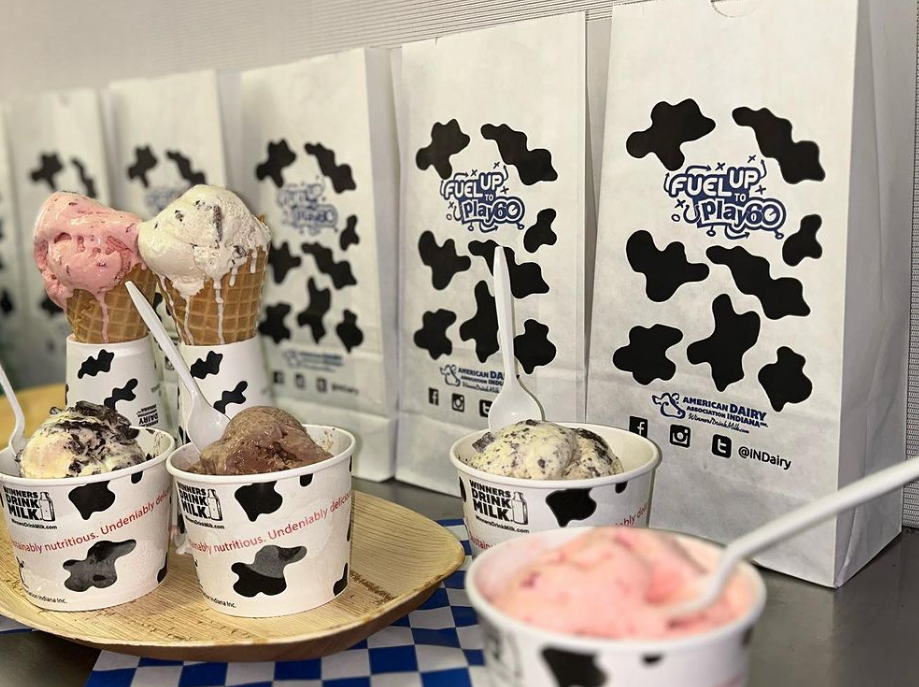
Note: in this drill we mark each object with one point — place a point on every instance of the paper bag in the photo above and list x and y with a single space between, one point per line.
57 145
493 141
321 164
750 303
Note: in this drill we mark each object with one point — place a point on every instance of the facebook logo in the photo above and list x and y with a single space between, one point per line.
638 425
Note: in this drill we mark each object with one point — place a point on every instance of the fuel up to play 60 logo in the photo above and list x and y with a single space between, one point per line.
481 200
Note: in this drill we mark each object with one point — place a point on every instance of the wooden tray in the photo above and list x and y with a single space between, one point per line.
397 561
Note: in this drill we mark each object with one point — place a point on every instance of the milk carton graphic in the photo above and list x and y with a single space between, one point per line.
519 509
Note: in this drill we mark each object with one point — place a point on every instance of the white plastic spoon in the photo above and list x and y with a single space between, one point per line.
513 403
791 524
18 437
205 424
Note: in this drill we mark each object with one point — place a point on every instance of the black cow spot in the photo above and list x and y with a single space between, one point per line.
339 272
652 659
444 261
265 574
144 161
432 336
98 568
645 356
93 365
574 670
50 307
446 140
279 156
158 301
803 243
665 270
779 297
462 490
47 170
138 476
526 278
540 234
184 165
533 348
340 175
621 486
747 637
316 309
161 575
210 365
306 480
571 504
483 326
784 380
533 166
349 235
348 332
798 161
734 335
234 396
671 127
6 304
282 261
350 526
273 325
342 583
91 498
258 499
125 393
86 181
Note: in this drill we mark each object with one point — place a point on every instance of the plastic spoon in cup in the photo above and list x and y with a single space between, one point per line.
18 437
513 403
793 523
205 424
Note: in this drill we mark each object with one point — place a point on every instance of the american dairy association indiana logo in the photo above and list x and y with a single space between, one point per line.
728 199
303 208
481 199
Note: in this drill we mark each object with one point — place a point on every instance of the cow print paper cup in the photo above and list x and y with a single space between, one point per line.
84 543
521 655
498 508
270 544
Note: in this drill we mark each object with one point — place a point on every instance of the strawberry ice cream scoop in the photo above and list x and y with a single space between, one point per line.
616 583
82 244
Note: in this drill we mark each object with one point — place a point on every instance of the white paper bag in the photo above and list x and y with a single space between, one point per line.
321 164
750 303
492 133
57 145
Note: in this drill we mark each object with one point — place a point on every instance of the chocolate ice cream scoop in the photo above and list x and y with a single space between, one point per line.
260 439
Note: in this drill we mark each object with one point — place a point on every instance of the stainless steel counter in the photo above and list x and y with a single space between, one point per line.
861 635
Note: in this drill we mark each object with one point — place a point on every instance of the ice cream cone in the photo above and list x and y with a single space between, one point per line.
113 319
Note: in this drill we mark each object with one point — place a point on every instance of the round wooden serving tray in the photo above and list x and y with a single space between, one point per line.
398 559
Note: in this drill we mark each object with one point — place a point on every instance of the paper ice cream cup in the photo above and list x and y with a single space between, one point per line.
122 376
270 544
521 655
85 543
498 508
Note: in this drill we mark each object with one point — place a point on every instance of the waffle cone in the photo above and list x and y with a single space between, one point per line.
87 316
198 319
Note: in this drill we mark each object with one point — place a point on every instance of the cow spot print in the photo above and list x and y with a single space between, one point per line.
671 127
86 181
526 278
6 304
574 669
571 504
184 166
258 499
778 297
265 574
432 336
50 307
483 326
282 261
462 490
210 365
339 175
161 575
784 380
803 243
541 233
98 568
444 261
316 309
645 356
306 480
446 140
350 526
342 583
533 166
144 162
621 486
747 637
279 156
652 659
138 476
349 235
93 365
665 270
95 497
125 393
339 272
533 348
273 325
798 161
229 397
348 332
734 335
48 169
